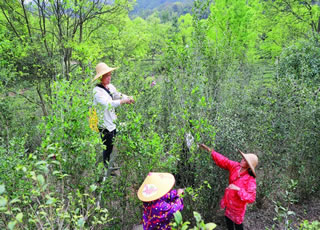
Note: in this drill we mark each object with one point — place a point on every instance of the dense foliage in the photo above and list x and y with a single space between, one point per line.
243 76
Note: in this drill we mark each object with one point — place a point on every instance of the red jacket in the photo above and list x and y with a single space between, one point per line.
235 201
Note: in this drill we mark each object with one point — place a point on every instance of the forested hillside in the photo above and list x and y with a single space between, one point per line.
153 4
232 74
166 10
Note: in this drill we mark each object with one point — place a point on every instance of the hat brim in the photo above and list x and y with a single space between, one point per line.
248 162
161 186
103 73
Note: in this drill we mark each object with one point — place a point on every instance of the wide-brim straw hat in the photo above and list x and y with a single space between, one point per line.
252 161
101 69
155 186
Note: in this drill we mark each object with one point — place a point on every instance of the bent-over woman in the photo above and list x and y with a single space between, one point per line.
160 201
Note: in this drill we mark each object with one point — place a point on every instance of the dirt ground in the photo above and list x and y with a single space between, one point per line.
262 219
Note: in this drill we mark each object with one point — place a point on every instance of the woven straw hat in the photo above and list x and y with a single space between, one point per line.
102 69
155 186
251 159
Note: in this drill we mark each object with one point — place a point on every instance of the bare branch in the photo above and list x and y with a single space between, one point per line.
11 25
13 9
26 19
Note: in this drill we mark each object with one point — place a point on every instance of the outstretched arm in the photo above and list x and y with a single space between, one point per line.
127 101
219 159
204 147
124 99
105 101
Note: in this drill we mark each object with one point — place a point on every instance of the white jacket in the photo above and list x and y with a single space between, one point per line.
105 105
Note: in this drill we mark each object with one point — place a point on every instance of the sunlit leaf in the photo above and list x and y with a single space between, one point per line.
12 224
210 226
197 216
2 188
93 187
178 217
40 179
3 201
15 200
81 222
19 217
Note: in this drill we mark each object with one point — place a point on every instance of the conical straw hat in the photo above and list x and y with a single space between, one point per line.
102 69
251 159
155 186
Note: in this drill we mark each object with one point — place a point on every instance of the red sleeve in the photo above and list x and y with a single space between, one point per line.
222 161
248 194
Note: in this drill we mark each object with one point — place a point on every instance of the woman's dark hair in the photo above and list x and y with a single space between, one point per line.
251 173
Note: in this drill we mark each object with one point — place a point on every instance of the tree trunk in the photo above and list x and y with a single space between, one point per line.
42 103
67 57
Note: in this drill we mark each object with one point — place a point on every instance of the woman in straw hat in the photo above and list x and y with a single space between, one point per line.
106 98
242 186
160 202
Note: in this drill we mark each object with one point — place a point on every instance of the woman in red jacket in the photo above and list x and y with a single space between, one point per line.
242 186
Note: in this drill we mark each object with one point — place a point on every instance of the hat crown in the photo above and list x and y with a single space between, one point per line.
155 186
102 67
252 159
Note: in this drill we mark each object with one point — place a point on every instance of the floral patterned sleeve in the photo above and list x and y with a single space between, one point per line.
170 203
158 214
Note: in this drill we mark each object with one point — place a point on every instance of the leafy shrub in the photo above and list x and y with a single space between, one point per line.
306 225
48 204
180 224
67 128
301 61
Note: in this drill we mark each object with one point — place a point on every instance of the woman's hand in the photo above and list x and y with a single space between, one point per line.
131 100
127 101
180 191
203 146
233 187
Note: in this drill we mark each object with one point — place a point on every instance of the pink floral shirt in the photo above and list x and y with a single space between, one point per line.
234 202
159 213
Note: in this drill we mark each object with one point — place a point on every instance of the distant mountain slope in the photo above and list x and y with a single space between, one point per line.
144 8
152 4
